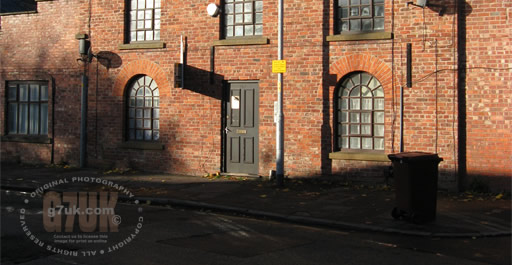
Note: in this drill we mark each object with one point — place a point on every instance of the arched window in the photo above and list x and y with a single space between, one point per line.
143 110
360 113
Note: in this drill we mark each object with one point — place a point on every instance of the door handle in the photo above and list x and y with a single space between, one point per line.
227 130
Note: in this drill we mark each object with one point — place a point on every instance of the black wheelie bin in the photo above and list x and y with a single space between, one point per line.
416 175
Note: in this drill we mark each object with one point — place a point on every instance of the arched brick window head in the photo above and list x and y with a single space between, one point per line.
143 111
360 113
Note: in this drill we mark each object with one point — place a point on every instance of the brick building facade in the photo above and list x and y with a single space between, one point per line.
346 62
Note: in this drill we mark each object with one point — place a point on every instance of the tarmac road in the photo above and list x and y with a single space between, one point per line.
179 236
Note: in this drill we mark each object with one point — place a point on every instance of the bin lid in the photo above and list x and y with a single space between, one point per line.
414 156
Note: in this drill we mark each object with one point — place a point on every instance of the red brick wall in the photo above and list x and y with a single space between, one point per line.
191 117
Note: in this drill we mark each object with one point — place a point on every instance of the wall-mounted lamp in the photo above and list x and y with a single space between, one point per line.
424 3
419 3
213 10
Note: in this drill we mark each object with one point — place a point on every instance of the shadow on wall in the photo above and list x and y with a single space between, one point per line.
204 82
109 60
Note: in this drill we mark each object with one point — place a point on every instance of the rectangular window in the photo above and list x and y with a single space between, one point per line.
144 19
243 18
27 108
359 15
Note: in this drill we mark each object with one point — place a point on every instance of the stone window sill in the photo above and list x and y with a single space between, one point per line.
361 36
142 145
18 13
361 156
142 45
33 139
242 41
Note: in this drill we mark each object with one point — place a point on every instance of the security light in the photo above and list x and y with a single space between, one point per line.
213 10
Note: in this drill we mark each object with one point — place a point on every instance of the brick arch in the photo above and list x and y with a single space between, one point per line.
364 62
141 67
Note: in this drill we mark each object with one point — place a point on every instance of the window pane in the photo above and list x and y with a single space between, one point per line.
157 13
259 18
12 92
140 102
34 119
156 135
344 142
355 143
379 24
344 130
156 102
249 30
149 35
259 6
132 135
355 104
354 11
344 117
366 129
34 92
355 92
157 34
354 2
140 36
157 24
133 36
378 1
379 11
365 11
131 124
344 12
379 117
344 25
229 9
44 118
157 3
138 135
379 143
141 4
343 2
367 24
239 30
366 117
138 124
13 118
355 117
248 7
248 18
355 129
366 92
378 130
148 14
147 113
139 113
258 30
156 113
23 93
156 124
367 143
147 24
355 24
367 103
379 92
149 3
147 135
239 18
148 102
379 104
147 123
365 2
239 8
23 119
229 20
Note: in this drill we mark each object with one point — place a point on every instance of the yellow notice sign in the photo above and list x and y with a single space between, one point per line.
278 66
